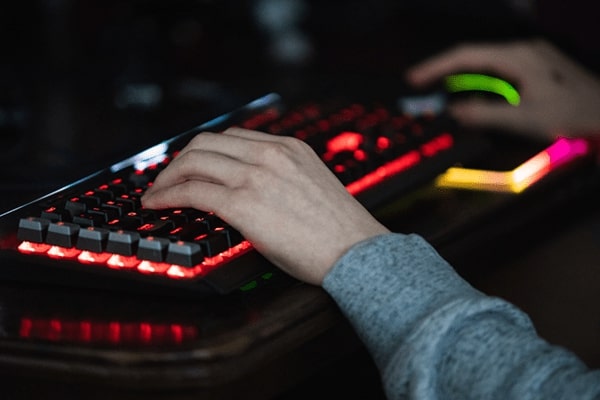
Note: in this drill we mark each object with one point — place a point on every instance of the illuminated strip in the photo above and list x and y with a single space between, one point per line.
429 149
132 263
382 173
562 151
466 82
105 332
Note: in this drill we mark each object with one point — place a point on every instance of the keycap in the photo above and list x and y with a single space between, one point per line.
122 242
33 229
184 253
92 239
62 234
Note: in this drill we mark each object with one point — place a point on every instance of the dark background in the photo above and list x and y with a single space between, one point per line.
84 83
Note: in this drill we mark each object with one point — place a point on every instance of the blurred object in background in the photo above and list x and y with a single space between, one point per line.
86 83
282 22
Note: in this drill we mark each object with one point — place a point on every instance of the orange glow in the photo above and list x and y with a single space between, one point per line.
33 248
179 272
562 151
132 263
151 267
62 252
89 257
119 261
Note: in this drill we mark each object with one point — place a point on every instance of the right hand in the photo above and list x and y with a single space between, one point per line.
275 190
558 96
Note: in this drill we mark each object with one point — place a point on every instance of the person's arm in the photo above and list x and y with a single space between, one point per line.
427 329
559 97
433 336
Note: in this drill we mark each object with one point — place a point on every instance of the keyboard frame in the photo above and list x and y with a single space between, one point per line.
257 270
22 267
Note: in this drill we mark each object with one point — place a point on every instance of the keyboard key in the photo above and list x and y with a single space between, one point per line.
153 248
90 200
157 228
190 230
122 242
92 239
62 234
90 219
75 206
213 243
234 237
184 253
33 229
55 214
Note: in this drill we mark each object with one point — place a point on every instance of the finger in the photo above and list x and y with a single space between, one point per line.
200 165
476 113
201 195
238 143
250 134
464 58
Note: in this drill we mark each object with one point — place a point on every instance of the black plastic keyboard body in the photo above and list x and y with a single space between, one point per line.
94 232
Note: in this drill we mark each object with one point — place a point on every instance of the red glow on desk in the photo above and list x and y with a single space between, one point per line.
105 332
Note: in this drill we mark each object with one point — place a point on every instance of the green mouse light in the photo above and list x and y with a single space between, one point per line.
481 82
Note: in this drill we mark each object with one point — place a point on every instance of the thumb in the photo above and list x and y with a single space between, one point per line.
486 114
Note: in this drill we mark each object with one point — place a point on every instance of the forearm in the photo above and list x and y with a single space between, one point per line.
432 335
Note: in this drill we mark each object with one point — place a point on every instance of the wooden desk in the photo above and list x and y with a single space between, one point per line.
288 340
549 267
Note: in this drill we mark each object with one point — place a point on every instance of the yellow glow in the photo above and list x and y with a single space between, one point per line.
520 178
530 171
475 179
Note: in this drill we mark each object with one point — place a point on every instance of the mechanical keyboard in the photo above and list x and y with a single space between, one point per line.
94 232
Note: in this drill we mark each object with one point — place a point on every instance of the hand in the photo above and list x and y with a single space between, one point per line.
275 191
558 96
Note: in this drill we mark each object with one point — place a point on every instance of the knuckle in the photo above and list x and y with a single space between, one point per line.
200 138
185 160
196 139
283 152
273 151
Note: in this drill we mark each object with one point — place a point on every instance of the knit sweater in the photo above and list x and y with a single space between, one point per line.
434 336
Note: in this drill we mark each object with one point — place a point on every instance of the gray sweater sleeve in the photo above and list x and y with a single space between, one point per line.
433 336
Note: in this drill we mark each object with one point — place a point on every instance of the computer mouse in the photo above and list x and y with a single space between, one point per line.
462 85
434 99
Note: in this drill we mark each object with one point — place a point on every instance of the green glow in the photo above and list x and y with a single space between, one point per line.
267 275
254 284
249 286
481 82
